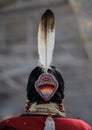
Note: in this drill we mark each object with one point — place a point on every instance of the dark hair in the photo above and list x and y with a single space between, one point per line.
34 96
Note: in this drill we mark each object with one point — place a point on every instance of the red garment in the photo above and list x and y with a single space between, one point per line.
38 123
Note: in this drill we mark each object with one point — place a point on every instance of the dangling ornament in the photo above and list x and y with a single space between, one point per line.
49 123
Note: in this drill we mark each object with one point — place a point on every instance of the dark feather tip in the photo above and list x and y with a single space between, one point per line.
49 13
47 20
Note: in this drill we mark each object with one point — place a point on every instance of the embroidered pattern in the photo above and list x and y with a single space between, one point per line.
46 86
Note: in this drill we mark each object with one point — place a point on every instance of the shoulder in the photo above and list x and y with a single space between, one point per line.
22 122
6 124
82 124
10 119
74 124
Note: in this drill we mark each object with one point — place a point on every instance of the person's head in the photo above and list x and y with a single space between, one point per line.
34 96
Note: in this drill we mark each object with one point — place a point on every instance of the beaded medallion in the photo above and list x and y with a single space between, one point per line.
46 86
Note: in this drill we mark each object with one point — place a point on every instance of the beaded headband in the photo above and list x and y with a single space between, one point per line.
46 86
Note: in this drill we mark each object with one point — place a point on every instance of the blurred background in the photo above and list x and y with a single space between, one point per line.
19 20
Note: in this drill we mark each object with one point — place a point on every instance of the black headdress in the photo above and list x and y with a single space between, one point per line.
32 93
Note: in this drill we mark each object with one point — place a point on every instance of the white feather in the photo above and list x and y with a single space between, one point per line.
46 38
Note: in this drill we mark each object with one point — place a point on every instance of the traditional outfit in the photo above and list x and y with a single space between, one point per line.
38 122
45 90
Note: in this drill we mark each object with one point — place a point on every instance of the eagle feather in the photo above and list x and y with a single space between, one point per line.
46 38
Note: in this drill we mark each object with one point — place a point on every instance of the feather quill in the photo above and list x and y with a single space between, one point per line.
46 38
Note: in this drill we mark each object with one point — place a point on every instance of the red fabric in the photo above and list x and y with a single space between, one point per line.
38 122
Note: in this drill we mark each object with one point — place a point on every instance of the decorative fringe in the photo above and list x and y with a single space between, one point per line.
50 108
27 106
49 123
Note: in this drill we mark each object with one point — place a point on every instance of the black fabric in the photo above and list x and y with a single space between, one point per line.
34 96
42 115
